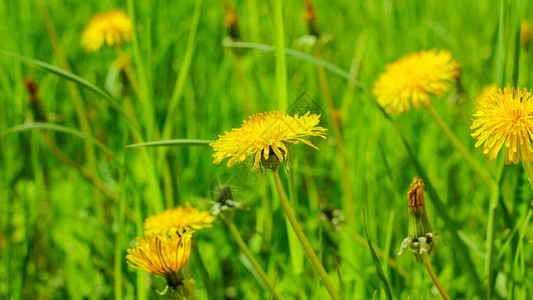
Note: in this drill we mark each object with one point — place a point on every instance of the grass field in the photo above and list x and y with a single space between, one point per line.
73 197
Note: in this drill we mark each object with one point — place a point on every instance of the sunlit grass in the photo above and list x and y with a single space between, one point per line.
117 145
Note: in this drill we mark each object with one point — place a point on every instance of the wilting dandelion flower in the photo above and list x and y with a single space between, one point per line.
178 220
163 255
505 118
412 79
421 237
266 136
111 28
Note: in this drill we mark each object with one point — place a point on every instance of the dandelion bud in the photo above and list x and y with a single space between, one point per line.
421 237
35 101
525 34
310 17
231 20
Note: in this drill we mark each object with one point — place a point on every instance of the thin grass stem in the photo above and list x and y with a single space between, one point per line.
303 240
279 53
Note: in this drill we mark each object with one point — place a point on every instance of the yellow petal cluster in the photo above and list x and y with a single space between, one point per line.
178 219
111 28
413 78
266 134
505 118
163 255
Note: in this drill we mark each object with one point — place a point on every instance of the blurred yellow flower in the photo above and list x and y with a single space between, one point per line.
265 135
112 28
178 220
163 255
525 34
412 79
505 117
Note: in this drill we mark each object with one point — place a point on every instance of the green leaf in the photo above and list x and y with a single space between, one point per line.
375 258
55 127
77 79
176 142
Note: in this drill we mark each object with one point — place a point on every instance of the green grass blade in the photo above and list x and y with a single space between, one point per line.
298 55
55 127
120 234
281 64
144 97
177 93
70 76
176 142
375 258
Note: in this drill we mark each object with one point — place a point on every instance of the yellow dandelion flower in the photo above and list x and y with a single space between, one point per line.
178 219
264 135
505 117
163 255
412 79
111 28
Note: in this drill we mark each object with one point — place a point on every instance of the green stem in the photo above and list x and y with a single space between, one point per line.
303 240
434 277
179 86
246 251
459 146
529 172
189 284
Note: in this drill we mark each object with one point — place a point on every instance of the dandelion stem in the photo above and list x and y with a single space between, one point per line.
189 284
303 240
459 146
427 264
246 251
529 172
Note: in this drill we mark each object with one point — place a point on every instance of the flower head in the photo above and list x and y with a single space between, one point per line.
178 220
267 137
412 79
505 117
111 28
421 237
163 255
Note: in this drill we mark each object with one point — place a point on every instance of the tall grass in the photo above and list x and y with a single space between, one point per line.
66 221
